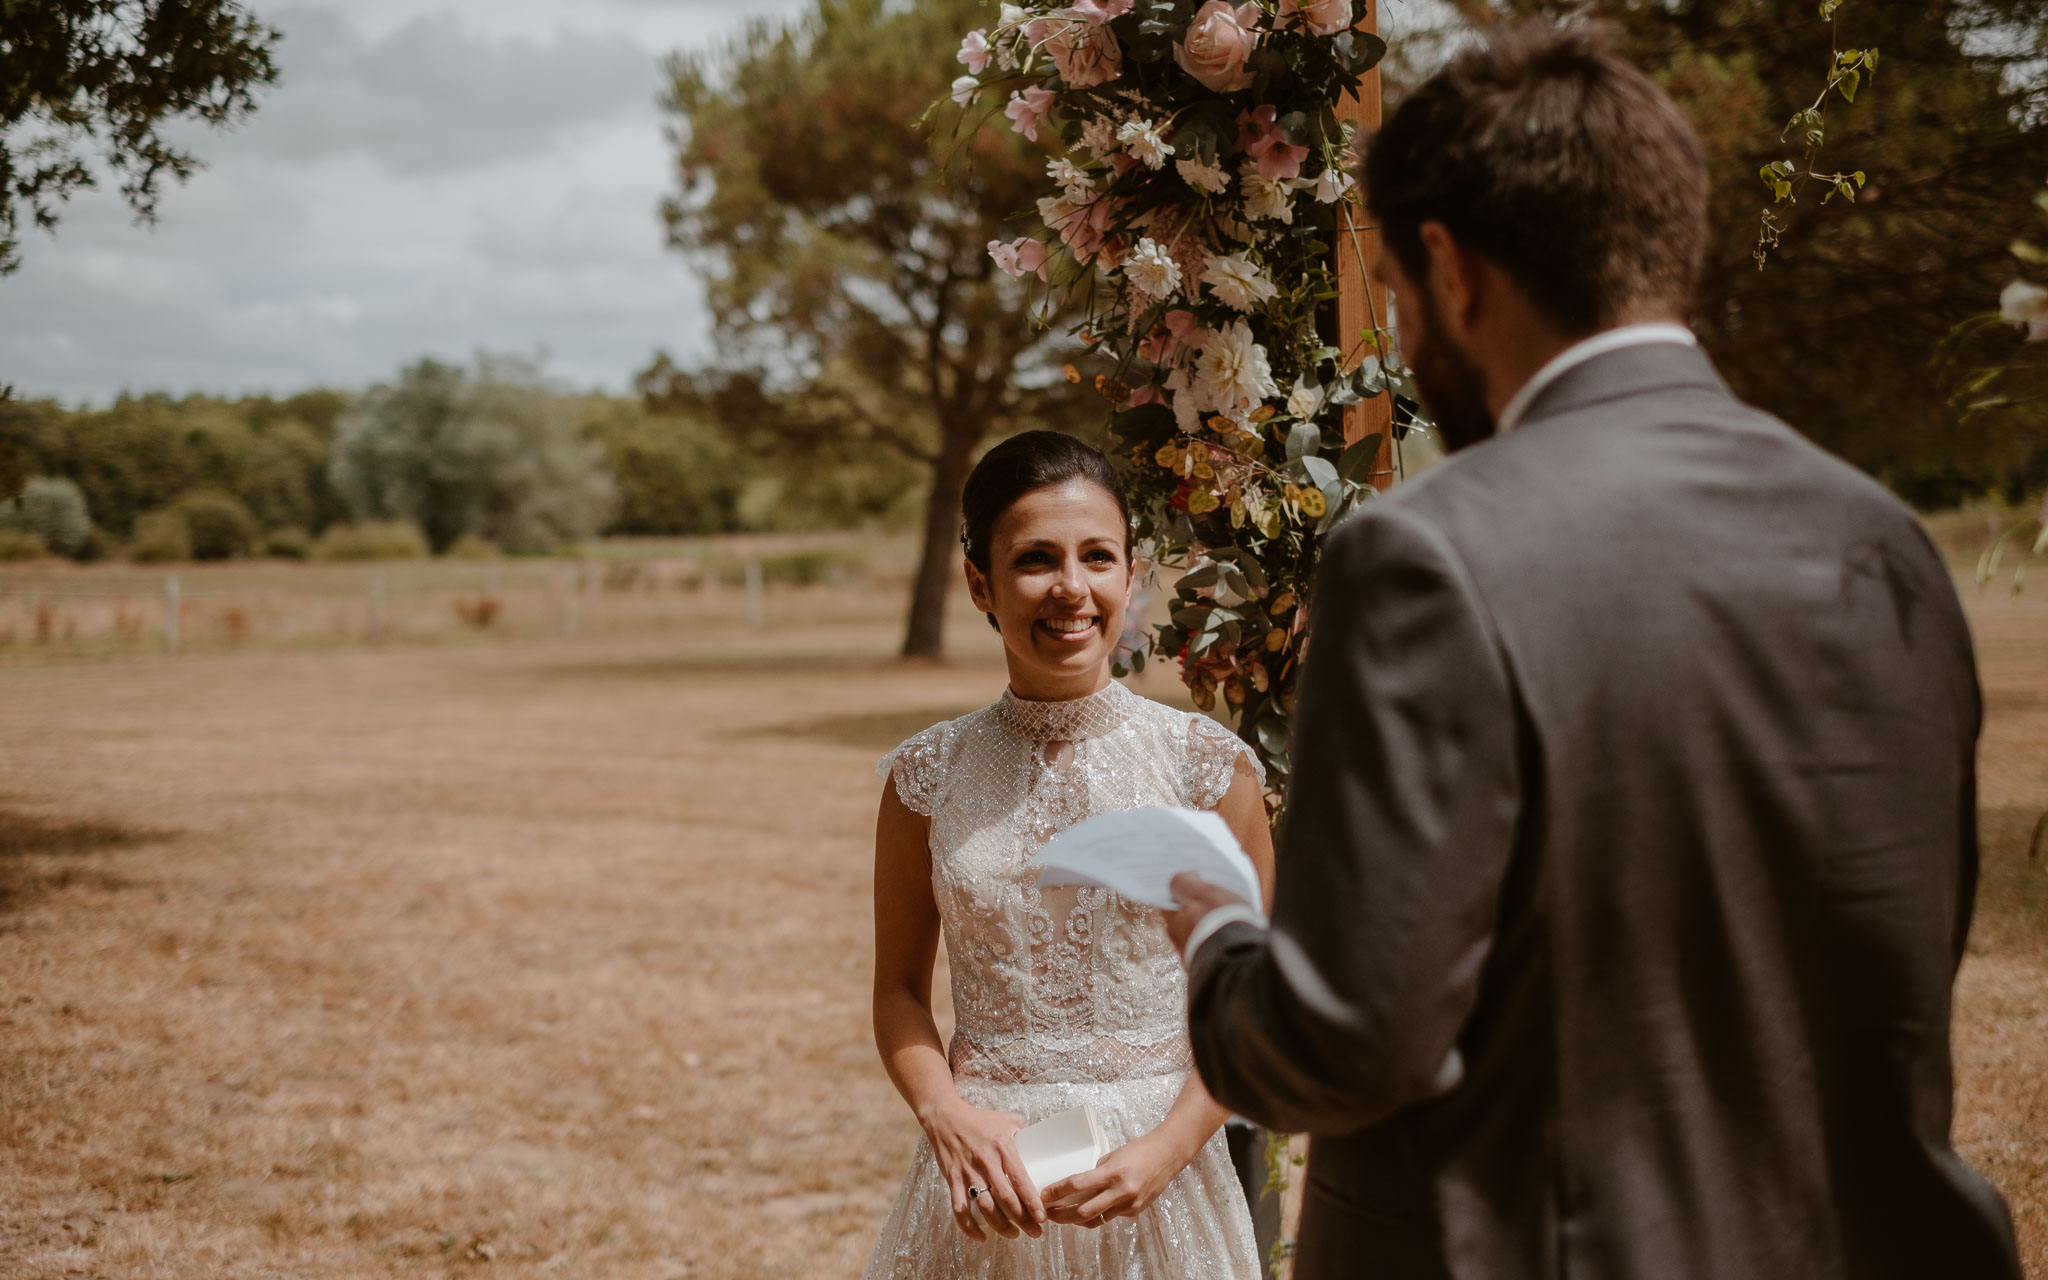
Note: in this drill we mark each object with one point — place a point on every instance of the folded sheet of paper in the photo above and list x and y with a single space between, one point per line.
1063 1145
1138 852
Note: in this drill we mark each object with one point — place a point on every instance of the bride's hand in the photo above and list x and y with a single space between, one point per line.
978 1149
1124 1185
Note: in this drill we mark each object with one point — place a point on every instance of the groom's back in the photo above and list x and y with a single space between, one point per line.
1715 1023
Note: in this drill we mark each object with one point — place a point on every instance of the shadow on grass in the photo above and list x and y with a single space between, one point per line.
870 731
2012 889
34 853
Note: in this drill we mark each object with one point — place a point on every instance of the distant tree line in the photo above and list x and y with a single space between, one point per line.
444 458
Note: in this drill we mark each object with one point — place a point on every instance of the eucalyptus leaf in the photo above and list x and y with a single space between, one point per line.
1320 471
1305 438
1356 462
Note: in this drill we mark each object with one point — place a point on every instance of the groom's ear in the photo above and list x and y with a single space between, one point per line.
1453 285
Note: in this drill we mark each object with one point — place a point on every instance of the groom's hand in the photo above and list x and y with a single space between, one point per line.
1197 898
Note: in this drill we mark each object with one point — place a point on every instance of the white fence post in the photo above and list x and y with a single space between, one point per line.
569 577
757 597
171 607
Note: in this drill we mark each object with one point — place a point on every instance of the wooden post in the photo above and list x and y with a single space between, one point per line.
171 607
568 581
1361 305
757 597
376 606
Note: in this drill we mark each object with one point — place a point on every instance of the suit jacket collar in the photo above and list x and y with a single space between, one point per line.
1630 371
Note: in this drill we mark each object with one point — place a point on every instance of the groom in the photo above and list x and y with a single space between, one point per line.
1631 840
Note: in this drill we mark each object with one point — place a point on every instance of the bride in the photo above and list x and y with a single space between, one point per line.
1062 996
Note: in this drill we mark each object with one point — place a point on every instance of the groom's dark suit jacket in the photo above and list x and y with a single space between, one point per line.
1629 857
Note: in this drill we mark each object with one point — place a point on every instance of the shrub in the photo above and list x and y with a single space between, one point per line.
288 543
99 545
473 546
218 524
160 536
500 452
19 544
54 510
372 540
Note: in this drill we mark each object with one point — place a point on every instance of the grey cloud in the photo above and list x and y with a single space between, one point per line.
435 96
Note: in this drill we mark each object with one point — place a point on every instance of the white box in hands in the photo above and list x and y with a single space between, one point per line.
1063 1145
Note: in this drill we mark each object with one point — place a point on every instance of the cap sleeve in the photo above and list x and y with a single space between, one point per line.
1213 753
918 767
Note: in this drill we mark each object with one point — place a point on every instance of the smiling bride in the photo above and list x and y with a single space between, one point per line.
1063 996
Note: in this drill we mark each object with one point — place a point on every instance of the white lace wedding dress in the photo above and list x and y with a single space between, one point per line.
1067 995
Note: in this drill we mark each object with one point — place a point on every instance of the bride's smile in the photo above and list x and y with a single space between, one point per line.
1057 586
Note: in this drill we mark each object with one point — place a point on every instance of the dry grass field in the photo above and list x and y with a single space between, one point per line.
551 956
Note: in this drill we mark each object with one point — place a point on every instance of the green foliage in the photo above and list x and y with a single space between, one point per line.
109 76
797 568
497 452
288 544
141 453
678 471
54 510
218 524
19 544
372 540
160 537
473 546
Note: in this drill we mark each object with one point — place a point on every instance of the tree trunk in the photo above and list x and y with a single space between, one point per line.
925 635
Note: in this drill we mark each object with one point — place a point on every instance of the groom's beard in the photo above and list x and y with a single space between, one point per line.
1453 392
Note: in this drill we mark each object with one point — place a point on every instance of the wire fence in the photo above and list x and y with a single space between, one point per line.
116 609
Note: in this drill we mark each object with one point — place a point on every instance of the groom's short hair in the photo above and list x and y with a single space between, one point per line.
1547 151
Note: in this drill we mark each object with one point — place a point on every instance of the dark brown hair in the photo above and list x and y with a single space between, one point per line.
1550 153
1024 464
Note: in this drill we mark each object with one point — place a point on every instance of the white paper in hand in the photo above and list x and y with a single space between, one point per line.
1138 852
1063 1145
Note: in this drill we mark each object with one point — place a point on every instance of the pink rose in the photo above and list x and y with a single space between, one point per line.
1028 109
1086 55
1217 44
1259 136
1325 17
974 52
1101 11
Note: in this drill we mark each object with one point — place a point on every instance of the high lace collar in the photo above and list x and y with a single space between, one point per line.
1070 720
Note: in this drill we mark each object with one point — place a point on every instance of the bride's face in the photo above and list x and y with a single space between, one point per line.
1058 584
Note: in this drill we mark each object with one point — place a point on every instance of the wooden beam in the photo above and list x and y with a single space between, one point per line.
1362 307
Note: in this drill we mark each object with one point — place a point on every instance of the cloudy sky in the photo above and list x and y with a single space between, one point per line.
427 177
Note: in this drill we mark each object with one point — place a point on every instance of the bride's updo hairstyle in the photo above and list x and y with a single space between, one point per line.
1025 464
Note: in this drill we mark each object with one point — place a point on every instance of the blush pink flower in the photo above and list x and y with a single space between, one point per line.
1086 54
1101 11
974 52
1146 394
1028 109
1018 257
1259 136
1218 43
1324 17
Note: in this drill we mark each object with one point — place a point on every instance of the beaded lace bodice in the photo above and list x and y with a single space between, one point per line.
1071 983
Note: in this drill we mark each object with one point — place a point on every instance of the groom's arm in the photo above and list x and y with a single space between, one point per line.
1401 817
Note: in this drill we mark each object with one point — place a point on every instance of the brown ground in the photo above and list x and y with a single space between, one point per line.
553 955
